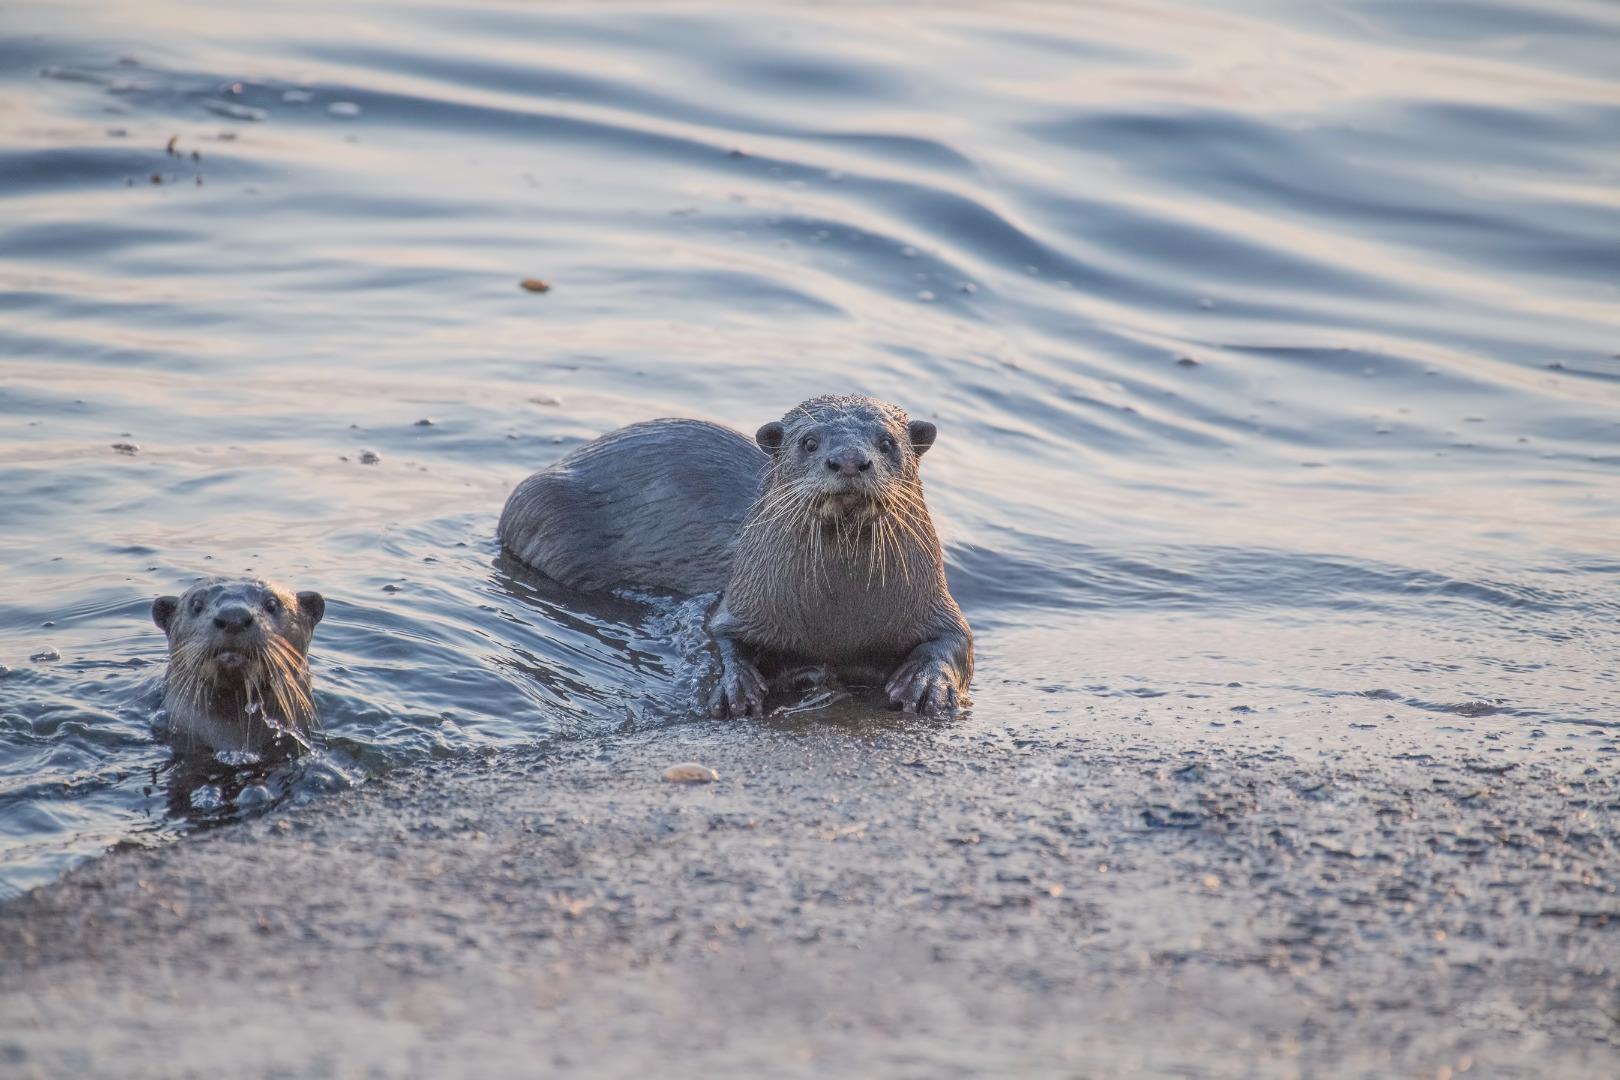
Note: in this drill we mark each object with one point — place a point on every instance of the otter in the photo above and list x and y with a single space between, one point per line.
815 533
238 675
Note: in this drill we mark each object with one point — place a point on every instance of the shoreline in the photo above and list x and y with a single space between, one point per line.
891 899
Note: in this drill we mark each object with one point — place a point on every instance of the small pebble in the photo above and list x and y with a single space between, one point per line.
690 772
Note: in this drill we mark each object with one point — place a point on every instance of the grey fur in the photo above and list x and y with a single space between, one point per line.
238 676
839 566
827 558
657 504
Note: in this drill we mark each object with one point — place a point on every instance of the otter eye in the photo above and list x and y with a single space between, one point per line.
196 606
886 444
272 605
809 444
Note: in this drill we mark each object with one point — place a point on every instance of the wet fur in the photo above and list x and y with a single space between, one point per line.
843 571
658 504
854 583
261 704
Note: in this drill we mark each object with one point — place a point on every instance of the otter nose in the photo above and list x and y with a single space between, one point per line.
234 619
848 462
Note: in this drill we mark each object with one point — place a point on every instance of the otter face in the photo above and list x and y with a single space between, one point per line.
238 632
845 453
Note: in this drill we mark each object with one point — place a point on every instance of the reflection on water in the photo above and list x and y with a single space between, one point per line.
1275 353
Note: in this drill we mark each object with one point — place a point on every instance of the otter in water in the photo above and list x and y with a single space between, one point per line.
238 676
816 532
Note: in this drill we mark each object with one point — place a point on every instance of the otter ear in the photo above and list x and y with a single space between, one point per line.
769 437
922 435
312 605
163 609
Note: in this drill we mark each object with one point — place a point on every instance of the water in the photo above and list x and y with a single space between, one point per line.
1275 355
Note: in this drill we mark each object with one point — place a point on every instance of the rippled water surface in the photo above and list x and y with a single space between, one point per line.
1275 354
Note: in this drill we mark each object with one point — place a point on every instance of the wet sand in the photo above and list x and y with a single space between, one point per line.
1148 896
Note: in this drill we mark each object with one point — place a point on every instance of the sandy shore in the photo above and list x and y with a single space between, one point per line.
910 901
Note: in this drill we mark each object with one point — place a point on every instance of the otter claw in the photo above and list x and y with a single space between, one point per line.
740 692
927 689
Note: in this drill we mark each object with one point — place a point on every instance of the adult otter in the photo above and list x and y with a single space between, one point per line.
238 676
817 533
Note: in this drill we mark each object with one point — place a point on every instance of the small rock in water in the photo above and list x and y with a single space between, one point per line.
1186 361
532 284
126 448
424 422
46 654
690 772
254 796
207 797
545 399
369 457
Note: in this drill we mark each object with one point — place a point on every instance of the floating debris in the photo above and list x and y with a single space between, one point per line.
534 285
690 772
235 111
45 655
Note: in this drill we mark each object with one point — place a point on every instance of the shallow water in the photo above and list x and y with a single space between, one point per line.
1275 354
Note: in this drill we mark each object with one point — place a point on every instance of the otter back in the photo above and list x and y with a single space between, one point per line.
658 504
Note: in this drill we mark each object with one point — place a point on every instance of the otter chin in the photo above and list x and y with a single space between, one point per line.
815 533
238 676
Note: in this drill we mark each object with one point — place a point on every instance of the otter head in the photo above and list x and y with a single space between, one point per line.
238 635
846 457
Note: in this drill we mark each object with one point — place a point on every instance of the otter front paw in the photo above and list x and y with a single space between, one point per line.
928 687
740 691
